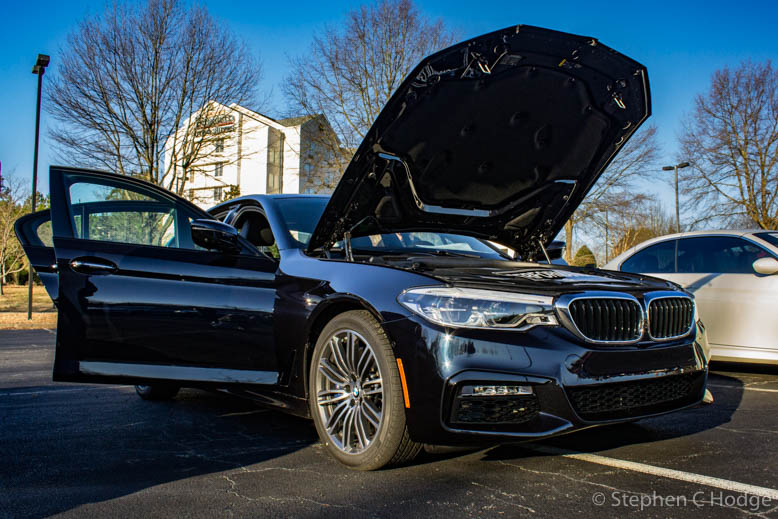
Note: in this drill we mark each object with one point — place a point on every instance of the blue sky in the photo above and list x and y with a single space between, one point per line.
681 43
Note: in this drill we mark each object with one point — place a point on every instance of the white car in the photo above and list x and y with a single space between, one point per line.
734 278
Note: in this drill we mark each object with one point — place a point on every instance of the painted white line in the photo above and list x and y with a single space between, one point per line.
689 477
47 391
723 386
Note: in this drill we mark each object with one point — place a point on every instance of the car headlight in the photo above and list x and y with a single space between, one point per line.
473 308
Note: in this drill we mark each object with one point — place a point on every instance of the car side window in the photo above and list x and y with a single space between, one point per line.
718 254
114 213
656 259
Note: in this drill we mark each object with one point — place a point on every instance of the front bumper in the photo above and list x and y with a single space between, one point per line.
574 386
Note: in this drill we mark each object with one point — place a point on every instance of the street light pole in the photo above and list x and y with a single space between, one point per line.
675 168
39 69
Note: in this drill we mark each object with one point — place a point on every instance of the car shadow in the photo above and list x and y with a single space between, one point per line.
698 284
96 443
85 444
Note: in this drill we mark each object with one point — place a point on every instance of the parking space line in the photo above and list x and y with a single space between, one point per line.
724 386
689 477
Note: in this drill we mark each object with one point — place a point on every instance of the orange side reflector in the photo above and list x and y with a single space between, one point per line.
405 386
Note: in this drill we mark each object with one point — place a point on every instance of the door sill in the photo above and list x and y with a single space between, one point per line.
186 373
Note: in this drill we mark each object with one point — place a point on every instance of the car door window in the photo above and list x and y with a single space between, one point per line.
718 254
656 259
113 213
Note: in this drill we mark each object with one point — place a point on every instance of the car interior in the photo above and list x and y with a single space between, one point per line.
254 226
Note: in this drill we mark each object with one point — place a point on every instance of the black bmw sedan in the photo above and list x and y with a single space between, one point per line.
385 313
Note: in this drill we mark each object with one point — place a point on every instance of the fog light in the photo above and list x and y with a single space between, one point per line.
501 390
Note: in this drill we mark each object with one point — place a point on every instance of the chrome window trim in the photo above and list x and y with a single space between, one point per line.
562 306
650 297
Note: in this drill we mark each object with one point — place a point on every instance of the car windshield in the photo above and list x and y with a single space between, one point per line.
302 214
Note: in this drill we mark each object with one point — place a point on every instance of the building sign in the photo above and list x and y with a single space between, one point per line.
215 125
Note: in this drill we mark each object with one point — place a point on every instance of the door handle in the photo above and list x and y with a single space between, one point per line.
92 266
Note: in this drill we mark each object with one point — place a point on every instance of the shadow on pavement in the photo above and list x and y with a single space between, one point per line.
71 445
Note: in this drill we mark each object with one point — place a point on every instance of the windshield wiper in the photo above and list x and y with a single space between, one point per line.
445 252
414 252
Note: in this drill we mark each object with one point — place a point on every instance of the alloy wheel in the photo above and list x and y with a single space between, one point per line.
349 391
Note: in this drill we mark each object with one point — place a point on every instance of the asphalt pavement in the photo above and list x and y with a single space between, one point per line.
88 450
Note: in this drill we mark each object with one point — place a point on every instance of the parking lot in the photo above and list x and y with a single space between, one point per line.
101 451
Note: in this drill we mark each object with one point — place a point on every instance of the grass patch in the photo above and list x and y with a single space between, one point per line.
13 309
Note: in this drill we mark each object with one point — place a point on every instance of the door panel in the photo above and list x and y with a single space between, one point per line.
135 290
734 302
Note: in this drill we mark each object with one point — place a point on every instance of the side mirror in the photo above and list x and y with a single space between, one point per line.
215 235
766 266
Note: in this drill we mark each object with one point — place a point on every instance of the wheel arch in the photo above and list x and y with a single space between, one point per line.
325 312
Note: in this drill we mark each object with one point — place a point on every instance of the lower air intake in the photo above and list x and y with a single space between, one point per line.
642 397
494 410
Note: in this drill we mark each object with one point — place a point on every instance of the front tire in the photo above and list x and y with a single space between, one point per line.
355 394
157 391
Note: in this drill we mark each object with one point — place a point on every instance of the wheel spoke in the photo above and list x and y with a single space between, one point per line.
371 382
331 373
332 396
364 361
371 413
359 428
351 347
337 354
376 391
336 417
348 422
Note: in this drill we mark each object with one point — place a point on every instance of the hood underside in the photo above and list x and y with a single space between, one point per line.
499 137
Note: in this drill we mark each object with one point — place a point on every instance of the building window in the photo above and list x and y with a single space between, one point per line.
218 145
218 169
190 175
217 194
275 161
191 194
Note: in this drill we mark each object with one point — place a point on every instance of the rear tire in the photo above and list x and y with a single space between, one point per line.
157 391
355 394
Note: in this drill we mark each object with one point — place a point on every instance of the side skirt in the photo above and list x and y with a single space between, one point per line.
184 373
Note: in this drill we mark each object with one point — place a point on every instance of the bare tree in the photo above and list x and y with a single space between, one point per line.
614 191
647 219
731 140
351 71
11 207
129 79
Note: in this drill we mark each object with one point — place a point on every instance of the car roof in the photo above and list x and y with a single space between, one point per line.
614 262
262 198
277 196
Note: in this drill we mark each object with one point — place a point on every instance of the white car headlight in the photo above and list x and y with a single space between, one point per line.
474 308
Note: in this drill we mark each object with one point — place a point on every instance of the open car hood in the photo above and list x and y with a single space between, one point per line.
499 137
